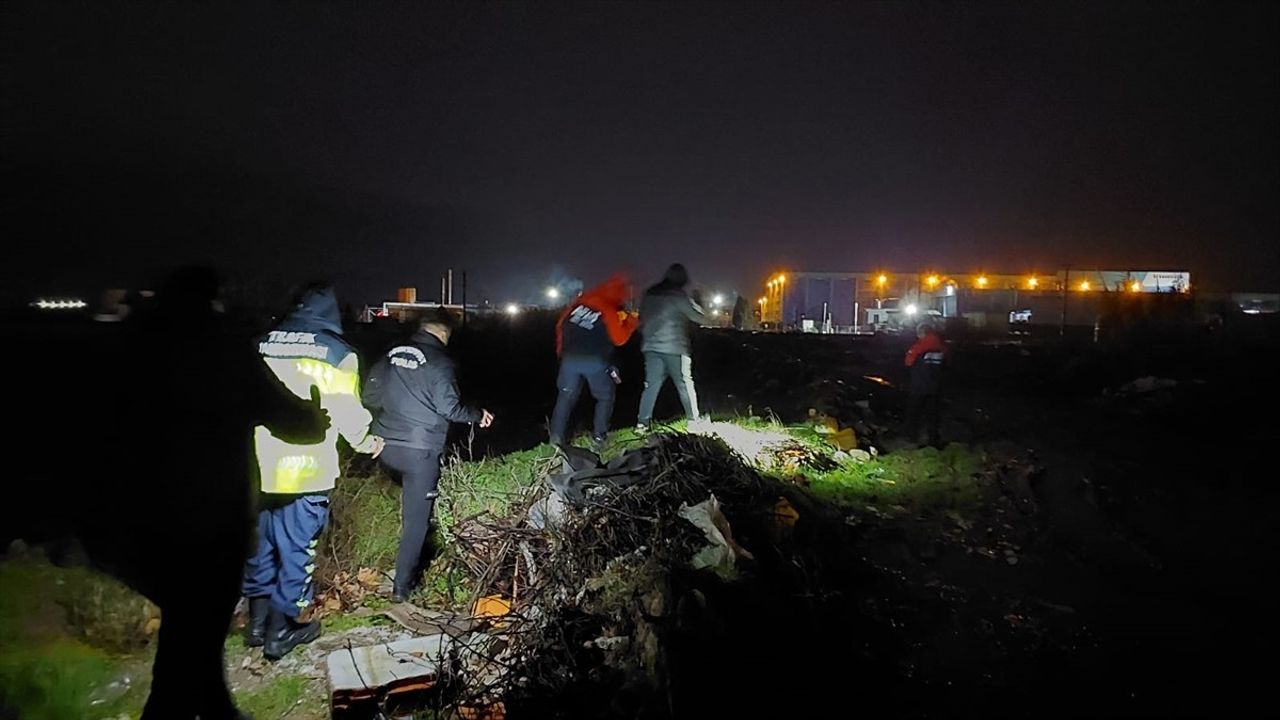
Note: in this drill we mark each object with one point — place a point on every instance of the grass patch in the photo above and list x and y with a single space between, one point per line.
918 480
341 623
49 669
364 529
364 525
279 697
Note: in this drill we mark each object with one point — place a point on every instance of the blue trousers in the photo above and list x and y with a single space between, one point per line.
573 370
284 564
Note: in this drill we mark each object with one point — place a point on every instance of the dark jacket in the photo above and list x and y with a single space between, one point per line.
925 358
414 393
595 323
665 315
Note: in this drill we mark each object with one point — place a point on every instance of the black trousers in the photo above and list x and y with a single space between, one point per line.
923 408
418 472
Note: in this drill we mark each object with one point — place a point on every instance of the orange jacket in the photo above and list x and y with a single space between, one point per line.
608 299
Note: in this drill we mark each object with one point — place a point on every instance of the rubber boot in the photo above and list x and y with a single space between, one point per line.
255 632
284 634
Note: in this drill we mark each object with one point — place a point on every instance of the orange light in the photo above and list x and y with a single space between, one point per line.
1084 286
982 281
763 300
782 279
1032 282
1135 286
882 279
932 280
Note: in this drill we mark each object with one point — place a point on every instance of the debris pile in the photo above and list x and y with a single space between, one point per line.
621 577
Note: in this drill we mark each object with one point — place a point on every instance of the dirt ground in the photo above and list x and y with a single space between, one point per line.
1117 568
1139 586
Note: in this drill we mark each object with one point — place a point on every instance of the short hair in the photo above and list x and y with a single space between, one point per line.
438 318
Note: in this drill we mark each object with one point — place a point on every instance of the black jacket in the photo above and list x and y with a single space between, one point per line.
665 316
414 393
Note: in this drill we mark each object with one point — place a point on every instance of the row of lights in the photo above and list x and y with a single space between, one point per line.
60 304
982 282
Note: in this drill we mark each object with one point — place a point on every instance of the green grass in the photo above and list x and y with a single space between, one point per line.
48 671
340 623
276 698
364 527
918 480
468 489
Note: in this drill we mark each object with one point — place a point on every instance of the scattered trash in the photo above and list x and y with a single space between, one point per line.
722 554
362 679
491 606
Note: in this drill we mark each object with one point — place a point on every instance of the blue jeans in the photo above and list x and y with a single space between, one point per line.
573 370
657 368
285 561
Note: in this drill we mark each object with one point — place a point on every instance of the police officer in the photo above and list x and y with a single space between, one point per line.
307 353
414 391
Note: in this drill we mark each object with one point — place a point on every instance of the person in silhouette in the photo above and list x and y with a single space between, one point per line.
144 455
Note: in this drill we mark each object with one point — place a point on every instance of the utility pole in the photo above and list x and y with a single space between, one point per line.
464 298
450 286
1066 287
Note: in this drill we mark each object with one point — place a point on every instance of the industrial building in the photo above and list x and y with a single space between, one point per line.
859 302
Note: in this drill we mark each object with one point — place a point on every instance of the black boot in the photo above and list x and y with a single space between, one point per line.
400 593
255 632
284 634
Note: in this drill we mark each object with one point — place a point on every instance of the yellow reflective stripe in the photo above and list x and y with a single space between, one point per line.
293 471
329 379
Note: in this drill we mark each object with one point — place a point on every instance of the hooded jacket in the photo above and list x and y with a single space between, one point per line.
307 353
415 391
594 324
666 312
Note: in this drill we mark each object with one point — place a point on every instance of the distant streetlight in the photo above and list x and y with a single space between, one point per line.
911 310
553 293
932 281
982 281
512 309
717 301
1084 286
882 280
1032 282
1135 286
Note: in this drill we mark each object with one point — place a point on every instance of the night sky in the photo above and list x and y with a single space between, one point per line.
379 145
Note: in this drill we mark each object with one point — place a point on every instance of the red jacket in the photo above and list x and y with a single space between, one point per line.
608 299
931 342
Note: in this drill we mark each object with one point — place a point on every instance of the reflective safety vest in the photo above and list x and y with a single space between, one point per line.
301 362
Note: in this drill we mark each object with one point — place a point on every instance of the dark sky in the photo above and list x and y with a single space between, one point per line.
378 144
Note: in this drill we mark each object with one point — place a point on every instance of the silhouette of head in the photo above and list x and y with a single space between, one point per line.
676 276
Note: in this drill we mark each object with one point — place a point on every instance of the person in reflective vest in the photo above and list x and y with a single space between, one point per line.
307 353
